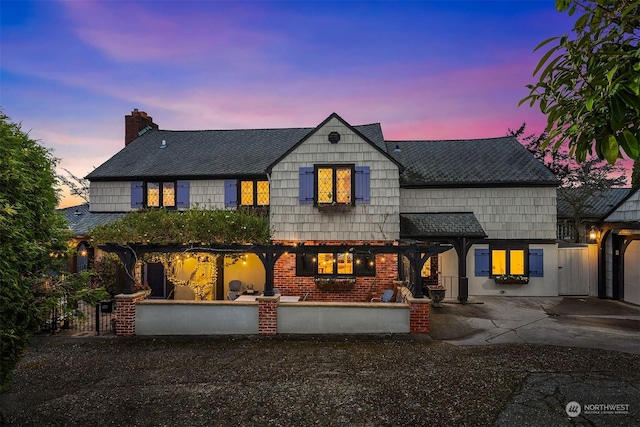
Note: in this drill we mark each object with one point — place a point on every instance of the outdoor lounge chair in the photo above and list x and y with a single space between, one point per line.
235 285
386 296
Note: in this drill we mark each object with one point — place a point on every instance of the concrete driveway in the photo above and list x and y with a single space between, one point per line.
563 321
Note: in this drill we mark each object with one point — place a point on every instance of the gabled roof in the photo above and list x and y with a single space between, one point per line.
375 139
596 207
210 153
443 224
478 162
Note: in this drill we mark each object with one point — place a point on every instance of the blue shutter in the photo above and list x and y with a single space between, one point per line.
482 262
231 193
305 186
363 187
182 196
137 194
536 263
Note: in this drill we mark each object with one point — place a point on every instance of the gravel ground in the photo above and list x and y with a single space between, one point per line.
292 381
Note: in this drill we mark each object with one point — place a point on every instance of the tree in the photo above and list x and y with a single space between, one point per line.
33 242
581 184
77 186
589 84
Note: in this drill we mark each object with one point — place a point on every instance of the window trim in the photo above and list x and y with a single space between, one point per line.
508 247
334 167
254 182
359 270
160 183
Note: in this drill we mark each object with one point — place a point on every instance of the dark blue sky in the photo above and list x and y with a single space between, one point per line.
70 70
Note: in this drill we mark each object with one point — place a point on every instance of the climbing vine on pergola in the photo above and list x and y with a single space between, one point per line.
193 226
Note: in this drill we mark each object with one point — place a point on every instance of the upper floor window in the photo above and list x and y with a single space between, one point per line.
334 184
254 193
246 192
344 185
157 194
161 194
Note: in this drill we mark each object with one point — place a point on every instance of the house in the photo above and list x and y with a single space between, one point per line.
589 210
487 207
618 237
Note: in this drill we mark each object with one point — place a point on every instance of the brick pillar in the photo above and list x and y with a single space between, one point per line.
126 313
268 315
419 310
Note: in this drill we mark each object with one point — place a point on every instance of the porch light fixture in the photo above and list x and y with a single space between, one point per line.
593 233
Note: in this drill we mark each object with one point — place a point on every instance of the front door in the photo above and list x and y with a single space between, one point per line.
155 277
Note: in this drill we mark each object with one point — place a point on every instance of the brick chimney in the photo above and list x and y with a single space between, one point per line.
134 123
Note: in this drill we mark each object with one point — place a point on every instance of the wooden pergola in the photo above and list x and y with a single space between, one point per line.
416 252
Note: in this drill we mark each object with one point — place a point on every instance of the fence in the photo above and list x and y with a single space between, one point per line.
85 319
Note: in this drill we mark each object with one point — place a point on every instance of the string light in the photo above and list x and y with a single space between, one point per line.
202 262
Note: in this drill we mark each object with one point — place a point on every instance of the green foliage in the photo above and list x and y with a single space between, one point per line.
32 237
70 288
106 272
589 84
192 226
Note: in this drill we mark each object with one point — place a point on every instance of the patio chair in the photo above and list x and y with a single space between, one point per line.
235 285
231 296
276 291
386 296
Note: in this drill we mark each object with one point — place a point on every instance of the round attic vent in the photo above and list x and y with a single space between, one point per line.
334 137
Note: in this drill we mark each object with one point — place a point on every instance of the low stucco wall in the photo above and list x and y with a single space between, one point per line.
343 318
168 317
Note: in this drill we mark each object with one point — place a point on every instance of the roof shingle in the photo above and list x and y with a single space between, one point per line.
443 224
496 161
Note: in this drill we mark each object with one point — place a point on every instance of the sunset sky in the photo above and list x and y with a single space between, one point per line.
71 70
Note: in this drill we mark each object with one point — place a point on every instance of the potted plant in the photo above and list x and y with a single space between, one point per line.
511 279
335 283
334 207
436 293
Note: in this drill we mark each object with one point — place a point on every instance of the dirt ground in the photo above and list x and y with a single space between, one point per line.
301 381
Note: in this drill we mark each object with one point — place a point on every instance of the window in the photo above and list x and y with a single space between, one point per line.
254 193
334 184
155 194
339 184
505 259
160 194
335 264
246 192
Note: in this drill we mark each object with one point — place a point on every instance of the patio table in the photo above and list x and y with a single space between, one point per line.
283 298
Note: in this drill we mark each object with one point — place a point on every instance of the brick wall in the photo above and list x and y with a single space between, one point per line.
365 288
268 315
126 313
419 313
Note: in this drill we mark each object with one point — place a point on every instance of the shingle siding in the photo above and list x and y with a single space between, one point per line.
504 213
629 210
378 220
110 196
207 193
